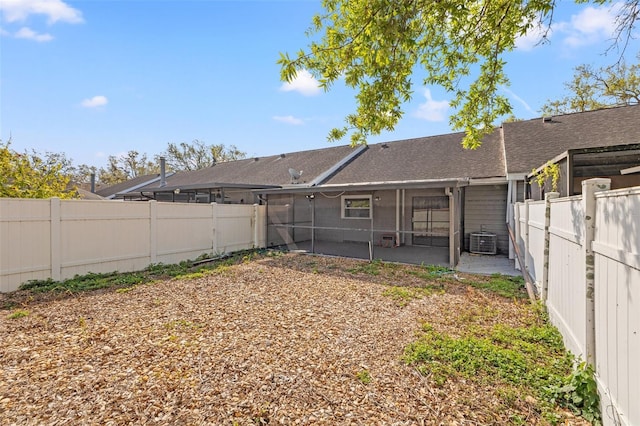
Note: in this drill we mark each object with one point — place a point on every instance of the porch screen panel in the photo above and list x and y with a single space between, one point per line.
430 221
280 220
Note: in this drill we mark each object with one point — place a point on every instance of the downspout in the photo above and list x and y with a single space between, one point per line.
404 218
452 231
397 217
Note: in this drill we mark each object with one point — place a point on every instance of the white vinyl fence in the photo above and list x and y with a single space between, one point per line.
589 278
53 238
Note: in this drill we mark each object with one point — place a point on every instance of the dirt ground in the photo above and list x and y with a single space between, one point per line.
291 339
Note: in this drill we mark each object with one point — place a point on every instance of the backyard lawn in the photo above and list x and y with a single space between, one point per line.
281 339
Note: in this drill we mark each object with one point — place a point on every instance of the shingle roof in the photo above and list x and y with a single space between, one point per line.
529 144
127 185
261 171
435 157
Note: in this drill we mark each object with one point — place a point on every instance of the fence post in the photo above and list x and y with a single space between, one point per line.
56 266
254 224
589 188
153 231
547 221
526 237
214 224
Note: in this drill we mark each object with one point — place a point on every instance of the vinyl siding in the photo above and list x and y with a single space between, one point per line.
485 210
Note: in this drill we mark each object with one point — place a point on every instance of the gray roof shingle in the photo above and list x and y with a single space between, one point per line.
261 171
529 144
435 157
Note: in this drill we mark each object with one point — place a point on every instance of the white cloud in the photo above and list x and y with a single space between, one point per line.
432 110
589 26
289 119
54 10
304 83
96 101
29 34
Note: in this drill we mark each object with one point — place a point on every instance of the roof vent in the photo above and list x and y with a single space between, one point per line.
255 159
282 155
547 119
384 146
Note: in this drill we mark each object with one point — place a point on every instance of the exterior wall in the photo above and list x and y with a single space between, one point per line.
593 286
485 210
58 239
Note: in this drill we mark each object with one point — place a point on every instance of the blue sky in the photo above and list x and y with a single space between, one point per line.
96 78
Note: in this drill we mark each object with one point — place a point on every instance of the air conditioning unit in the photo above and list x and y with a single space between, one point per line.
483 243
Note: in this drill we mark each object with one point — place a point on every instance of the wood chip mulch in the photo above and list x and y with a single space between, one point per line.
279 340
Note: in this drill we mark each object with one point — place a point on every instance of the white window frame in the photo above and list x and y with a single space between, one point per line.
343 206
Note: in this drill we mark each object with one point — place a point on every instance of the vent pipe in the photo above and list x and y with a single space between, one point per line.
93 183
163 175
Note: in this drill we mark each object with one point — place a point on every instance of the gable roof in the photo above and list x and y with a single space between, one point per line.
259 172
129 185
429 158
528 144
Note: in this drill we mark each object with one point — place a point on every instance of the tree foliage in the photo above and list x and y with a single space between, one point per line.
31 175
593 88
197 155
127 166
377 45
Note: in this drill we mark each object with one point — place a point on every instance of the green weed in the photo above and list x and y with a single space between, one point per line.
403 295
364 376
19 313
503 285
527 360
124 282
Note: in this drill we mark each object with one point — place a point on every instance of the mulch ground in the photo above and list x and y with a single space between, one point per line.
279 340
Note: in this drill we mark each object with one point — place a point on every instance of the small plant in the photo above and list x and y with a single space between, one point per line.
579 393
371 268
19 313
403 295
364 376
549 171
503 285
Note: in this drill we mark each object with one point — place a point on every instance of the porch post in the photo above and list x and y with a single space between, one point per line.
397 217
452 228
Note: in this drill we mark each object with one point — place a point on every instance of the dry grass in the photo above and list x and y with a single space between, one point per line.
282 340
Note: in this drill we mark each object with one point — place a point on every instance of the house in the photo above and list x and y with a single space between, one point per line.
422 200
110 192
589 144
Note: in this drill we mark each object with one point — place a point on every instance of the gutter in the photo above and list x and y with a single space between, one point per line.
140 185
363 186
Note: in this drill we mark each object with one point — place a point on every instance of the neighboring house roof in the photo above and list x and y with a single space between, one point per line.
430 158
528 144
87 195
129 185
259 172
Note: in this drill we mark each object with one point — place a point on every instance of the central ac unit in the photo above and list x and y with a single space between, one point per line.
483 243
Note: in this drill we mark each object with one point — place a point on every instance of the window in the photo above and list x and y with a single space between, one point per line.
356 207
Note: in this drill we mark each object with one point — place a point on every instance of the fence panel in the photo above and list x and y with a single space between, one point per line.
184 231
41 239
102 236
25 241
567 288
617 304
535 250
235 227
